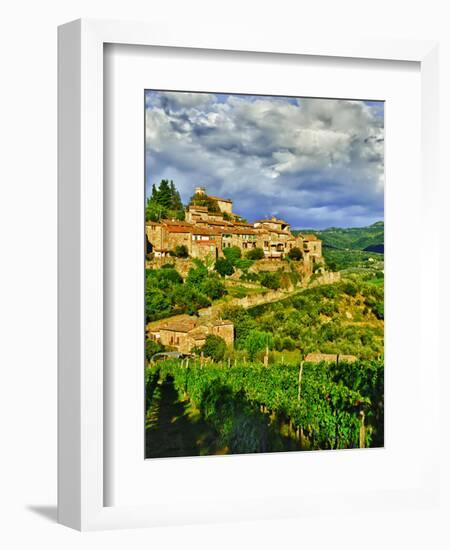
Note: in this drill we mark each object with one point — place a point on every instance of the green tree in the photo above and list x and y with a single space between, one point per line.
157 304
224 267
199 199
270 280
256 341
232 254
180 251
189 300
295 254
214 347
164 202
255 254
213 287
197 274
152 347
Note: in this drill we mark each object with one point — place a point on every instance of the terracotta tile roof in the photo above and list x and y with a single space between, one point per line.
178 229
192 207
276 220
220 199
279 232
198 333
222 322
216 222
176 222
240 231
309 237
242 224
179 326
196 230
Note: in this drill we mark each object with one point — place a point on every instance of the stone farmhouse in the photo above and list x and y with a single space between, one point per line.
186 334
206 233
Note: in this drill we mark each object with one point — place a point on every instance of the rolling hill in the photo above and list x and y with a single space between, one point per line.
351 247
370 238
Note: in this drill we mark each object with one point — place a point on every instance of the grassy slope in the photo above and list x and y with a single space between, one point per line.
354 247
355 238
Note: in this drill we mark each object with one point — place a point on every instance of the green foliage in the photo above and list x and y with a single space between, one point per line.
255 254
213 287
349 288
167 294
199 199
356 238
197 274
339 260
332 397
157 303
316 320
152 347
244 264
256 341
295 254
214 347
164 202
243 323
180 251
270 280
188 299
224 267
232 254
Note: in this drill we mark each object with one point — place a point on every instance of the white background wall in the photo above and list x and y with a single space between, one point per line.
28 268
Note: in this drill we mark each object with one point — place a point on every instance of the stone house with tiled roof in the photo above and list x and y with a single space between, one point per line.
206 233
184 335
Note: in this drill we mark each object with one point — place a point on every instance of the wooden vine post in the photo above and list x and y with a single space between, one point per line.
362 431
299 395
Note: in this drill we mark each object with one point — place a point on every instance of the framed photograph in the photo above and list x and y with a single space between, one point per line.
244 330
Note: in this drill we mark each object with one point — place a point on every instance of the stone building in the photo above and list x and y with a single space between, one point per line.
184 335
205 233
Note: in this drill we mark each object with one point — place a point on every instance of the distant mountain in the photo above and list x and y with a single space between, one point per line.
369 239
375 248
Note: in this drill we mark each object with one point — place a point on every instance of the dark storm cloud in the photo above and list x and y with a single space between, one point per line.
314 162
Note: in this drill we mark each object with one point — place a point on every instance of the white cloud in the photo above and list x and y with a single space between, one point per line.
308 153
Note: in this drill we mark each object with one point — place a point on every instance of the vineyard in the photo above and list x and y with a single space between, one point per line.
246 408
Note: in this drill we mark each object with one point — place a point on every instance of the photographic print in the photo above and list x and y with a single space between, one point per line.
264 274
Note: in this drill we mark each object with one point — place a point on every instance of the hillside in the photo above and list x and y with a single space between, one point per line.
353 247
356 238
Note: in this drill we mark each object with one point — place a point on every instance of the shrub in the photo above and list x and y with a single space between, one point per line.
257 340
232 254
213 287
157 304
214 347
295 254
255 254
270 280
152 347
180 251
189 300
198 274
244 264
224 267
349 288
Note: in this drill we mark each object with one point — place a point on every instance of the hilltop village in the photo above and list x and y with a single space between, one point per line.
207 231
210 227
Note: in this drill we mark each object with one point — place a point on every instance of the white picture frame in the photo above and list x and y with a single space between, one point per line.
81 404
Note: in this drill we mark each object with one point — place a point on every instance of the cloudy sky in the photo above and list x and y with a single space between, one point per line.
316 163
